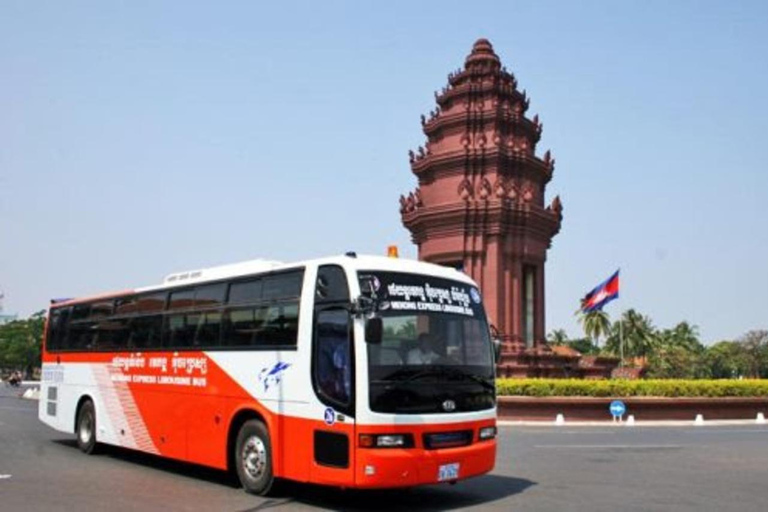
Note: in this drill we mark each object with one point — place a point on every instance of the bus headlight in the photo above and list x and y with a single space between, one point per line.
487 433
385 441
390 441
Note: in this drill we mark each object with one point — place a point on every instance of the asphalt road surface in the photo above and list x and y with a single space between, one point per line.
537 469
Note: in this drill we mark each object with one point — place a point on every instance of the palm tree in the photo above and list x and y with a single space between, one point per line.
595 323
640 337
687 336
557 337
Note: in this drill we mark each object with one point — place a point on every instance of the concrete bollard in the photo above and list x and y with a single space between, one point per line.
631 420
560 419
31 394
760 420
699 420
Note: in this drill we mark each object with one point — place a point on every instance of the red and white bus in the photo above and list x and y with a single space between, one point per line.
364 372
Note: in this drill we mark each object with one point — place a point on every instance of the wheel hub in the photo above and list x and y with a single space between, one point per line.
86 429
254 457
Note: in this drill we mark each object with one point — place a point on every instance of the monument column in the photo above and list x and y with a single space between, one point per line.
539 329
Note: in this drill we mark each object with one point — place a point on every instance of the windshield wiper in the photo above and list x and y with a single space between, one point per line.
438 371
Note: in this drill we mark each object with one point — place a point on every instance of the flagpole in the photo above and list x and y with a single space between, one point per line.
621 339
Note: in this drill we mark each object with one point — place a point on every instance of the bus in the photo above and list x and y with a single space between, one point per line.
349 371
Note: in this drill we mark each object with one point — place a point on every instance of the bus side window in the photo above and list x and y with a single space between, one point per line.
240 326
208 329
283 286
82 332
146 332
179 330
113 334
281 325
61 336
55 328
333 356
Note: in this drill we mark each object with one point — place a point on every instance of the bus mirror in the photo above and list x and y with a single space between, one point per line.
366 286
497 350
496 340
374 329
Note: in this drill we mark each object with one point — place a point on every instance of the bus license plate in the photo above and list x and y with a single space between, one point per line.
448 472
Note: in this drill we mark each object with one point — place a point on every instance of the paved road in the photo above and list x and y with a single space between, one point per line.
538 469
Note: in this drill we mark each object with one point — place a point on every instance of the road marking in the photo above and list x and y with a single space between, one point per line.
728 431
575 432
609 446
3 477
12 408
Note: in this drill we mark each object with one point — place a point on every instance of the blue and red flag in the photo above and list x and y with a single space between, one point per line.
602 294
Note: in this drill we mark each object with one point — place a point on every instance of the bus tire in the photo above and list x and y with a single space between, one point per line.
253 458
86 428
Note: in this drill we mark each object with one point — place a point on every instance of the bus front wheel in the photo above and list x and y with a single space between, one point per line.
253 458
86 428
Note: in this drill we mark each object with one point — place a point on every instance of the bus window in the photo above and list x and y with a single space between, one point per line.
125 305
283 286
331 284
210 295
281 325
112 334
245 292
333 361
82 335
57 330
182 299
101 309
208 329
242 325
179 330
146 332
152 303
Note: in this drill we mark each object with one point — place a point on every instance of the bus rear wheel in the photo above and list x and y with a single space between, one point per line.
86 428
253 458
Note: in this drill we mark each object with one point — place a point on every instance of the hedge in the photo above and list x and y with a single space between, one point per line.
627 388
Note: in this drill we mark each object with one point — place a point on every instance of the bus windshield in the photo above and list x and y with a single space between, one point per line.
435 347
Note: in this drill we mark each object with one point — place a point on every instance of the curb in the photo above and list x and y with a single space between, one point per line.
637 423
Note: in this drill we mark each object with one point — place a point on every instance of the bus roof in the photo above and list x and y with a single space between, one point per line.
260 266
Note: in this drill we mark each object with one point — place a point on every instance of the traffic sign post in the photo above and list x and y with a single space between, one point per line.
617 409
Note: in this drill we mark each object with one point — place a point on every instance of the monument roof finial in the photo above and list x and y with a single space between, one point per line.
482 50
482 45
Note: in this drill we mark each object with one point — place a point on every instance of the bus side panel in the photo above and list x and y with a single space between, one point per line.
275 386
62 387
165 415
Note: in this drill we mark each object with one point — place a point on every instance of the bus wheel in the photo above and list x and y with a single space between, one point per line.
253 458
86 428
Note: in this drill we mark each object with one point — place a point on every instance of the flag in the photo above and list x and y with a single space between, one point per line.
602 294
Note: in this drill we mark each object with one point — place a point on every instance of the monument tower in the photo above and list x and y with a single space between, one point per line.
480 205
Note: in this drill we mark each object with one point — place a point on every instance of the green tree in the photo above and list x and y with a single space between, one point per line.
639 334
557 337
585 346
726 360
596 324
755 348
677 354
683 335
21 342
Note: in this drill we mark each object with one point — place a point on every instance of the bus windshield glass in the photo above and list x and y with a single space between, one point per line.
435 346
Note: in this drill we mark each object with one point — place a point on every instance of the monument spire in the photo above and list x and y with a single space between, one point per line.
481 204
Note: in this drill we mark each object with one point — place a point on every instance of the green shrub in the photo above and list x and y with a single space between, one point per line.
626 388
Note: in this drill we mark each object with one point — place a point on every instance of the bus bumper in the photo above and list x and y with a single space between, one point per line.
387 468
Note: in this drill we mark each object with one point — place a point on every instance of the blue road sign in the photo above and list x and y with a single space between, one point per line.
617 408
